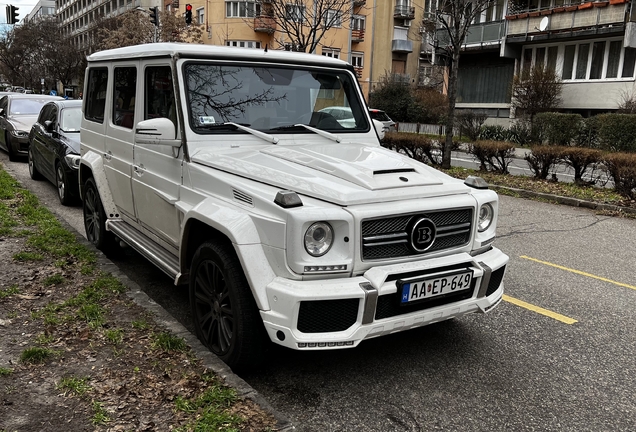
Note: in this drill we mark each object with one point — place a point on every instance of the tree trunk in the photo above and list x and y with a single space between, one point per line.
450 118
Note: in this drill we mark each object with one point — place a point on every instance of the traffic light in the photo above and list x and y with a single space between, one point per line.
188 14
12 14
154 16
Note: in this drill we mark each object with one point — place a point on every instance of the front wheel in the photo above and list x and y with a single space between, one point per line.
95 218
224 312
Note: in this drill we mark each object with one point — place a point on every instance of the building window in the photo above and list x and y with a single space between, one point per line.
358 22
333 19
357 59
201 16
295 13
329 52
242 9
243 44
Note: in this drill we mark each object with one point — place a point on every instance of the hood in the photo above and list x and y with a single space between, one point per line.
71 140
342 173
24 122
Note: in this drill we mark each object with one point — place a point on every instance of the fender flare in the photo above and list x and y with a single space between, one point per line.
239 229
93 163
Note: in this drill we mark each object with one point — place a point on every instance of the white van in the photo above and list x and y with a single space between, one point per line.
225 169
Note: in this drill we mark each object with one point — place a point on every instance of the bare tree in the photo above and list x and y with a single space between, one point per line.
300 25
536 90
455 17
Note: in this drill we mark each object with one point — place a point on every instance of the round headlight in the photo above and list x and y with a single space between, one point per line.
486 214
318 239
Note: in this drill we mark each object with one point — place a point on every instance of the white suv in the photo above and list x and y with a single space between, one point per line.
221 166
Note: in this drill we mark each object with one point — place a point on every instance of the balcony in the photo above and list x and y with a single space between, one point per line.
357 35
404 12
402 46
489 33
358 3
264 24
600 17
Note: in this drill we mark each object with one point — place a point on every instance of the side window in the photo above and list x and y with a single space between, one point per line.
52 114
4 103
159 101
124 92
44 114
96 94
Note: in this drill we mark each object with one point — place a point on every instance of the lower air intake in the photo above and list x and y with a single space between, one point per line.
323 316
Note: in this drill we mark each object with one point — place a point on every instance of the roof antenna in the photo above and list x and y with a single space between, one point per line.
265 47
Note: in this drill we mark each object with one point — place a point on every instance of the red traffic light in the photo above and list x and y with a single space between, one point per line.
188 7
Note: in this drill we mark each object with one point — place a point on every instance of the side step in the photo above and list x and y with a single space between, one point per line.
159 256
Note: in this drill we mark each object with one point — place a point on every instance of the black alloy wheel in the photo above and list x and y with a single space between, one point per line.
62 185
224 312
95 218
7 140
33 171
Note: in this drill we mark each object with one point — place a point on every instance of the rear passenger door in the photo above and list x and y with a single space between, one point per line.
157 169
119 137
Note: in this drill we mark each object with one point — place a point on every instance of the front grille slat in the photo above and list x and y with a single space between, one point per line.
454 228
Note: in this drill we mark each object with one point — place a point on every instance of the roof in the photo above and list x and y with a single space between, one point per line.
31 96
189 50
68 103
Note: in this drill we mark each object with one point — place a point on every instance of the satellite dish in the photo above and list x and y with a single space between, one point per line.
544 23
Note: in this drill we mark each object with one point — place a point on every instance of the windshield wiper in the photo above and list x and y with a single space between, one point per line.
320 132
242 126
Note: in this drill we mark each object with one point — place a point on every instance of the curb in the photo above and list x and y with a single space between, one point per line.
163 318
573 202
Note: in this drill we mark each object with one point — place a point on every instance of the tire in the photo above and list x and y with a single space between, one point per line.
63 190
95 218
12 156
33 171
224 312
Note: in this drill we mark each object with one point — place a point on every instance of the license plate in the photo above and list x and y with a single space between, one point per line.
434 285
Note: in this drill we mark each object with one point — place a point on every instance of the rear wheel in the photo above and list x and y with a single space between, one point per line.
63 192
33 171
224 312
95 218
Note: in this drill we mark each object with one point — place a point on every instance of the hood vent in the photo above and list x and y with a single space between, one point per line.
242 197
394 171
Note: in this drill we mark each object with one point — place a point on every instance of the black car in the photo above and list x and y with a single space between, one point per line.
54 147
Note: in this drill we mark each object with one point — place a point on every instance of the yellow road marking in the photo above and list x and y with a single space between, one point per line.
539 310
579 272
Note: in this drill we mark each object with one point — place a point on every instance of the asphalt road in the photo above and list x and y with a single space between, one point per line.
526 366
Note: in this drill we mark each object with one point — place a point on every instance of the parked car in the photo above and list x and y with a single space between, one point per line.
343 115
54 145
18 112
307 234
376 114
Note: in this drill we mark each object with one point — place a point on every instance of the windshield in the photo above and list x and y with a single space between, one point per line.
71 119
26 106
272 98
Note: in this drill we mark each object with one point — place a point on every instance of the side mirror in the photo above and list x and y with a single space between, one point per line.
156 131
379 128
2 112
49 126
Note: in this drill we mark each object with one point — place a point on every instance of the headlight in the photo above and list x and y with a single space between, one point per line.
318 239
20 134
73 161
486 214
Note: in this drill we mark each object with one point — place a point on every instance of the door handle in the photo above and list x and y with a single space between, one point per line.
139 169
108 156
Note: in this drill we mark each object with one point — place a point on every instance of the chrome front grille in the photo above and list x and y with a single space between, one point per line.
388 237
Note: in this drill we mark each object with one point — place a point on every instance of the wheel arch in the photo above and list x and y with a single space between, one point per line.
92 165
237 231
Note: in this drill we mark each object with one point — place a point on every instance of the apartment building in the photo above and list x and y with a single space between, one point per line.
42 8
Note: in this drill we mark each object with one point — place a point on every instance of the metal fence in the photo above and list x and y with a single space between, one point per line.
422 128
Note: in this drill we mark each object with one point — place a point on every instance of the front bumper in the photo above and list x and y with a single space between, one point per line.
341 313
20 146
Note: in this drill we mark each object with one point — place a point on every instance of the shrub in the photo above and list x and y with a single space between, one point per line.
492 133
470 123
493 155
580 159
557 128
542 159
588 133
416 146
519 133
617 132
621 168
